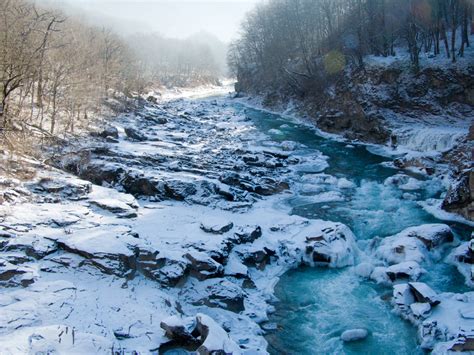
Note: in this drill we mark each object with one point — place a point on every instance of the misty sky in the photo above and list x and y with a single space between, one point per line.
172 18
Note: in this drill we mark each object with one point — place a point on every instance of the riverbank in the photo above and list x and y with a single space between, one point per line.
207 233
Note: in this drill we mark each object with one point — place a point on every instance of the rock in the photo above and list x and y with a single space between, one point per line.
235 268
111 132
463 344
414 244
216 293
152 99
354 335
424 294
403 296
120 208
201 332
111 140
217 228
13 275
68 188
460 196
333 249
203 267
135 134
180 330
256 257
421 310
432 235
216 339
168 272
408 270
463 258
247 234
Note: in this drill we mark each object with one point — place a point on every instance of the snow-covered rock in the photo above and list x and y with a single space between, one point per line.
354 335
333 248
463 258
439 317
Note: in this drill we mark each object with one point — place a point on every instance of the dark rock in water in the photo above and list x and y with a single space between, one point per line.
460 197
467 256
217 228
135 134
247 234
321 258
425 164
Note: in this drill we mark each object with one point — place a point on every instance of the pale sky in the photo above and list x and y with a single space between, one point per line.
172 18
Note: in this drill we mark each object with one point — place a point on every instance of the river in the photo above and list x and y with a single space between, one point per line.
316 305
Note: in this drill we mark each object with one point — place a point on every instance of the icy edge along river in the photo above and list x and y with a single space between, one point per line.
359 189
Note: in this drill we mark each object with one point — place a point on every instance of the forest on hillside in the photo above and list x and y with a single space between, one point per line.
56 71
301 46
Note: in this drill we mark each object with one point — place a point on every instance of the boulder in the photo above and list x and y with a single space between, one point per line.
216 293
120 208
354 335
219 228
423 293
180 330
110 131
421 310
460 196
216 340
256 257
201 333
73 189
247 234
203 266
408 270
13 275
134 134
333 249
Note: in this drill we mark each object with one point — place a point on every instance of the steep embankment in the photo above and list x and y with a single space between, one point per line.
428 112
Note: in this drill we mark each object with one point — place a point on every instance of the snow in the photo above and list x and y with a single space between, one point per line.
354 335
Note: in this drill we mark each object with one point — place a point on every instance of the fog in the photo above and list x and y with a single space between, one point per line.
170 18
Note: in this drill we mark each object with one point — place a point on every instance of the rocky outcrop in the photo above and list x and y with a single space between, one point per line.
201 333
460 196
449 328
463 258
366 104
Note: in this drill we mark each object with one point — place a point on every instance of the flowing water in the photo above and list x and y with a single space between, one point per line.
316 305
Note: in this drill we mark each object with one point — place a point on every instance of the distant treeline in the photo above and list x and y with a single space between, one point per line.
55 72
300 45
199 59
